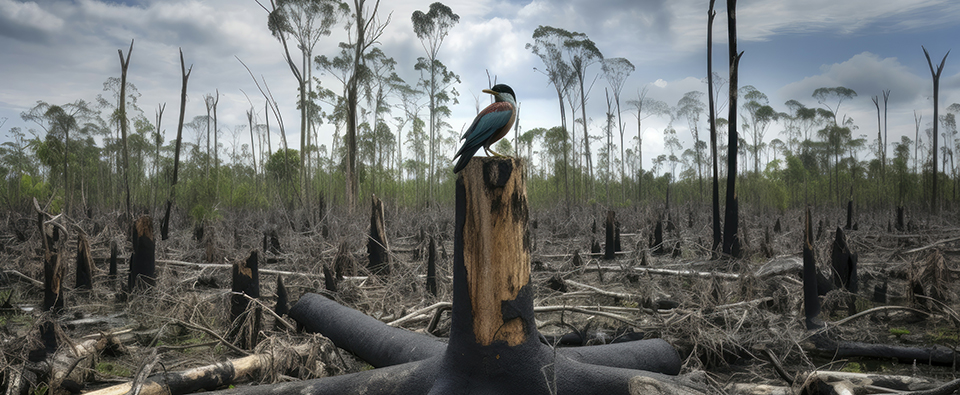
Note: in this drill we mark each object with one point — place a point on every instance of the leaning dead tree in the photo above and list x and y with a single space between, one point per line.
494 344
185 72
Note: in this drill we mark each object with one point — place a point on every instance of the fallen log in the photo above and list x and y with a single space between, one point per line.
211 377
929 355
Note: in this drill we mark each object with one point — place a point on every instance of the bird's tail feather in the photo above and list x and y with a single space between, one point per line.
466 153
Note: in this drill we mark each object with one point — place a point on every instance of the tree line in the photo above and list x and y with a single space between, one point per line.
392 137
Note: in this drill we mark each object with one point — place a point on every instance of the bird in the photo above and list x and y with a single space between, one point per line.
489 126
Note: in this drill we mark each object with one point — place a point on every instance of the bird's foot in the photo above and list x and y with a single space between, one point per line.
495 154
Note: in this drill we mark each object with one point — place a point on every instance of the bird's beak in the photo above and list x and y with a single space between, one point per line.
490 92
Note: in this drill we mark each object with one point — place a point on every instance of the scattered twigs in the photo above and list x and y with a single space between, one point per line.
778 367
927 247
423 312
30 280
269 310
584 310
211 333
876 310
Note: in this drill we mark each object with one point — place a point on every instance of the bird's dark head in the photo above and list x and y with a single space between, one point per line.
500 89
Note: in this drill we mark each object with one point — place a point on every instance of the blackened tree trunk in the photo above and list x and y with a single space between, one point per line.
165 227
731 243
85 266
717 232
246 282
609 248
811 297
936 120
143 261
123 126
432 267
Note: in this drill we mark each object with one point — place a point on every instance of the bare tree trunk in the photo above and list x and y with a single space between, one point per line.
123 126
165 226
936 120
717 232
731 243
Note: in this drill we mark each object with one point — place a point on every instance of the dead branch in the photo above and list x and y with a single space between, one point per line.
876 310
927 247
423 311
211 333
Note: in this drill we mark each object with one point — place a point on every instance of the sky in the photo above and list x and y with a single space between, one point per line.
58 51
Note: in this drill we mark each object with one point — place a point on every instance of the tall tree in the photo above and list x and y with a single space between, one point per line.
368 29
645 107
690 107
936 104
583 53
827 96
616 71
712 115
731 242
185 73
432 27
761 114
124 63
306 21
548 45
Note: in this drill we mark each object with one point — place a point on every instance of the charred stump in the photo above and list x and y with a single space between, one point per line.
900 224
849 215
811 297
330 281
494 344
85 265
271 242
432 267
283 301
609 248
114 251
657 244
377 247
844 263
54 273
143 261
246 283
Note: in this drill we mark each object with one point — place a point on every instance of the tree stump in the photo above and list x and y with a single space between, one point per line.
432 267
377 247
609 248
844 264
849 215
143 261
900 225
811 297
246 281
494 344
85 265
114 251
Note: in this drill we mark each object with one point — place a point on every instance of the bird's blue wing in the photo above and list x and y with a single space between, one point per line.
491 119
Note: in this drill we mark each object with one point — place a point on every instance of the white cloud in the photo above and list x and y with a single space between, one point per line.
27 21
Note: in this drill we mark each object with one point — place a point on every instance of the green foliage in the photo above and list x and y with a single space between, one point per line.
898 332
852 367
113 369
